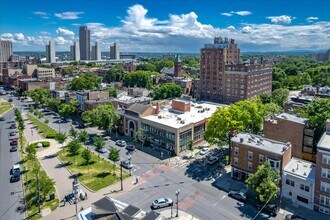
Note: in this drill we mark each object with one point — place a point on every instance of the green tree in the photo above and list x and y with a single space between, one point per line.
113 92
83 136
73 133
86 155
61 137
98 142
191 147
138 135
39 95
46 185
304 79
114 156
279 96
138 78
46 121
265 98
103 116
264 183
168 90
74 148
146 67
31 109
86 81
53 103
31 152
68 109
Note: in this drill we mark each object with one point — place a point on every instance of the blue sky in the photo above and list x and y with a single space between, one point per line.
168 25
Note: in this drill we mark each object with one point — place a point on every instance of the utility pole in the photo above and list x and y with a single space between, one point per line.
177 202
38 193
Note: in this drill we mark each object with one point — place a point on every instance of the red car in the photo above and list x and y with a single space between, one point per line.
13 143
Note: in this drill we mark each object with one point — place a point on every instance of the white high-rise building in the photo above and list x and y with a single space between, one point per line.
75 52
96 52
114 52
6 50
50 52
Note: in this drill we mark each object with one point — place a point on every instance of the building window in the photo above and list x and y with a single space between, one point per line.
324 200
236 151
235 160
250 155
326 159
302 199
275 164
290 193
325 187
325 173
289 182
249 166
261 158
305 188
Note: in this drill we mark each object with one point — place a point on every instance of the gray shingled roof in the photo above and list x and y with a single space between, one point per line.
138 108
151 216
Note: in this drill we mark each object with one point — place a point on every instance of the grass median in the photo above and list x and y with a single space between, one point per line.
44 130
98 174
4 106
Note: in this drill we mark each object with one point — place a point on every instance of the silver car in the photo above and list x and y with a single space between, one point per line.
162 202
121 143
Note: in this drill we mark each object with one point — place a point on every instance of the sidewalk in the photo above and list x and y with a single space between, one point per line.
182 215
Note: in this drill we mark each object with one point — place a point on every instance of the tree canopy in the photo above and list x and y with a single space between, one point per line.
86 81
264 182
39 95
138 78
168 90
103 116
68 109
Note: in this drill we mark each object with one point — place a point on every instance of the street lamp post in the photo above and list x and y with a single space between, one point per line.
121 178
177 202
129 162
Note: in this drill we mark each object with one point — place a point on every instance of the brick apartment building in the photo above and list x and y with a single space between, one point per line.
223 79
249 151
95 96
322 175
291 128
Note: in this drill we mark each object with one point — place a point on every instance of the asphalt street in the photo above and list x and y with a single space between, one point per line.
11 194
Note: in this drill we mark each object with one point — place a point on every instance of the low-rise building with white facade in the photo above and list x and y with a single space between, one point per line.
298 182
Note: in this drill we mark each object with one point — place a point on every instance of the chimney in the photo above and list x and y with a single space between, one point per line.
241 140
157 108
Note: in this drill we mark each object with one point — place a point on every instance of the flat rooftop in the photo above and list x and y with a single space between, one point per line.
258 142
324 142
301 168
291 117
176 119
130 99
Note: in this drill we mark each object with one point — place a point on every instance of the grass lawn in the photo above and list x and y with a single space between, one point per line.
4 106
97 175
45 130
30 190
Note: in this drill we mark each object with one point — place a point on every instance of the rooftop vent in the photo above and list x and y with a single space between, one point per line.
241 140
159 116
305 174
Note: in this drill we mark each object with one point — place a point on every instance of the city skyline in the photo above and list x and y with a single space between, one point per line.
168 26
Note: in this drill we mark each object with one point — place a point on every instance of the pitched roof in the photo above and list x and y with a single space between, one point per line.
131 210
151 216
138 108
104 206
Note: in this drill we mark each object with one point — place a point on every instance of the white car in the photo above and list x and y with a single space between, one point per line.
121 143
204 151
16 168
162 202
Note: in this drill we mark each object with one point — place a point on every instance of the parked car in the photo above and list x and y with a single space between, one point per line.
10 100
102 150
294 217
82 126
13 149
161 202
12 126
2 118
204 151
75 123
212 160
126 164
13 133
15 168
15 177
13 143
121 143
130 147
239 195
68 120
270 209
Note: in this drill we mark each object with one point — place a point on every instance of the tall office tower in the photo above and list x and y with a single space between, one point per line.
84 43
75 52
6 50
114 52
50 52
96 52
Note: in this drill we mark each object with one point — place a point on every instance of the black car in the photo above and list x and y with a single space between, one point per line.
12 126
130 147
10 100
13 149
82 126
239 195
13 133
294 217
15 177
2 118
270 209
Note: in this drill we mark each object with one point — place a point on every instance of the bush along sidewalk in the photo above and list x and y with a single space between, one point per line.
39 189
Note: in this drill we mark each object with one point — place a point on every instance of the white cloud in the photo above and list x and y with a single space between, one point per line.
61 41
65 32
19 37
247 29
282 19
41 14
241 13
226 14
70 15
311 19
6 36
44 33
136 15
231 27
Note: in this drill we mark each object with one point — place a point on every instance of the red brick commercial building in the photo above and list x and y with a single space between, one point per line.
249 151
223 79
291 128
322 174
